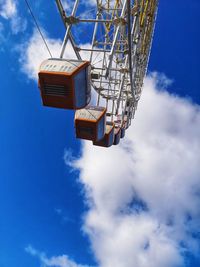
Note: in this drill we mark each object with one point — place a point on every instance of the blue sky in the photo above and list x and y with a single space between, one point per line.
49 206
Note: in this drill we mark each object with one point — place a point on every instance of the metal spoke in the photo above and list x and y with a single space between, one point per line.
119 51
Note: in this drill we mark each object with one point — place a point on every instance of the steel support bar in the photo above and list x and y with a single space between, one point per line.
95 31
94 20
121 87
130 58
118 42
100 50
106 89
62 14
130 46
94 50
115 40
68 29
152 31
112 9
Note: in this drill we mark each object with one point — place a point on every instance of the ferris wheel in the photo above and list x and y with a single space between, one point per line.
102 82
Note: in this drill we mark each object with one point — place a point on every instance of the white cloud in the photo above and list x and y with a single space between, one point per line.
34 51
59 261
9 11
157 164
8 8
18 25
143 195
2 38
68 6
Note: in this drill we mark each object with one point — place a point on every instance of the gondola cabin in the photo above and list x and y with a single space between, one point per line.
117 135
65 83
120 124
123 131
90 123
108 138
123 128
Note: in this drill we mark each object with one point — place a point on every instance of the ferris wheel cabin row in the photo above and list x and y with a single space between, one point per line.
66 84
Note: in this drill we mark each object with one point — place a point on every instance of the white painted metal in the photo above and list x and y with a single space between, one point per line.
119 51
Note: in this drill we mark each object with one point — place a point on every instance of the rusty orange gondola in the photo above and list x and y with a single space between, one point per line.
90 123
65 83
108 138
117 134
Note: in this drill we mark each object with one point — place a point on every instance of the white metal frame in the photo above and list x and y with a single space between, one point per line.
127 27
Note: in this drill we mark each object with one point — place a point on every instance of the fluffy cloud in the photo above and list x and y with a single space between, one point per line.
60 261
67 5
34 51
8 10
18 24
1 33
143 195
